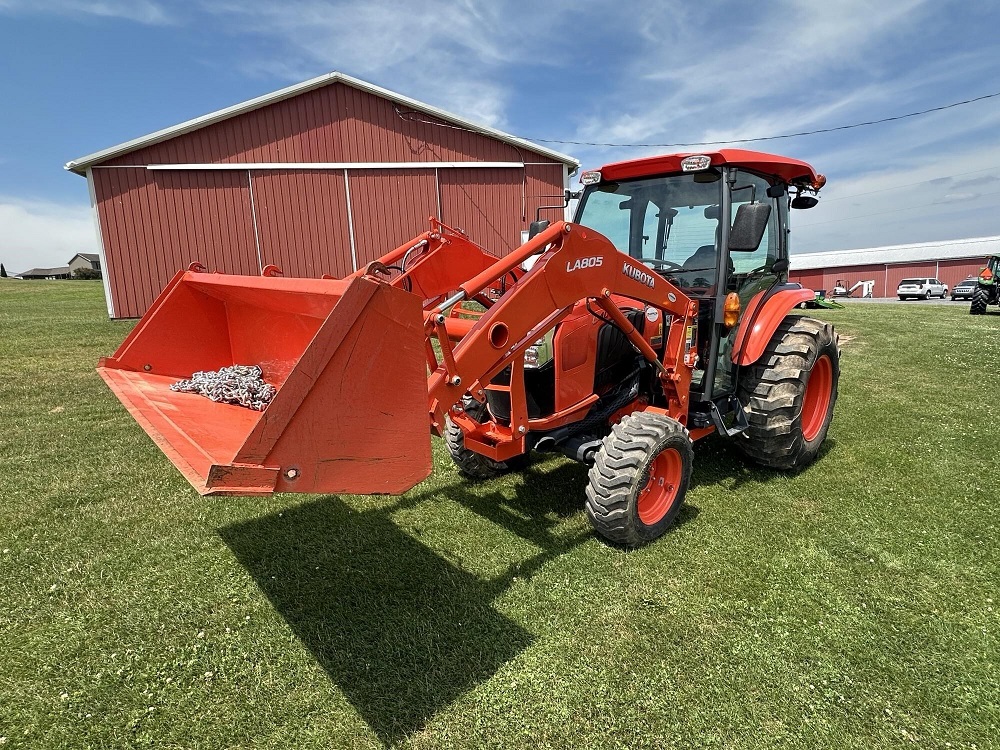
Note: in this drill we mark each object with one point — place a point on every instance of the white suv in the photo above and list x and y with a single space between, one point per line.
921 289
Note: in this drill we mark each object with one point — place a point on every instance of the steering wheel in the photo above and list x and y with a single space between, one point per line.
662 264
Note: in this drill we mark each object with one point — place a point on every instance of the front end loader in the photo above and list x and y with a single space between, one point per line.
662 314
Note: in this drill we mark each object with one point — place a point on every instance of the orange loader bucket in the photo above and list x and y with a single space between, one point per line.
347 360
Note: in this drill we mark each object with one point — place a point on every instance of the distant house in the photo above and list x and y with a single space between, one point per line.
62 272
89 261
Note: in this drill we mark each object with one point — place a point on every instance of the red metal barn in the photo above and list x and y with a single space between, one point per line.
321 177
950 261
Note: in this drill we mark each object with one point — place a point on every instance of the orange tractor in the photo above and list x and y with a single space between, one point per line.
661 315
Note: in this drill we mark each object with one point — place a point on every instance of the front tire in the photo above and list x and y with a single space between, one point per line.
789 395
980 299
475 465
639 478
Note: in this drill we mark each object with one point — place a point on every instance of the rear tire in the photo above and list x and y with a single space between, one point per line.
789 395
639 478
980 299
476 465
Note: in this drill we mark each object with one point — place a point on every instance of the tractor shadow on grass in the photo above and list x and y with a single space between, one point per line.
717 460
552 489
401 630
531 503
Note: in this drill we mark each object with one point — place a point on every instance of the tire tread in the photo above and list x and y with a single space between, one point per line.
621 469
772 392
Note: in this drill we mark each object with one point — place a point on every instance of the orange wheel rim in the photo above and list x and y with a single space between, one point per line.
657 497
817 399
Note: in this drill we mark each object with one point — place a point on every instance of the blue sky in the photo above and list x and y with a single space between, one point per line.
81 75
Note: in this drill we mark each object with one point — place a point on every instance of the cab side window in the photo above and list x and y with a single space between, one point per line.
750 186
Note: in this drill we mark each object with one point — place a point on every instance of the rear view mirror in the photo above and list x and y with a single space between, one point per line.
749 227
804 201
537 226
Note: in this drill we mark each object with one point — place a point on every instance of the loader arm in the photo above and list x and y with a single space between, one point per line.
435 264
576 263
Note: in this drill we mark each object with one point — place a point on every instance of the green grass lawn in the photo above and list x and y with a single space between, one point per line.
852 606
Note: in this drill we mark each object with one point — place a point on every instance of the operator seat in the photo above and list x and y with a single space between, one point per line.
704 258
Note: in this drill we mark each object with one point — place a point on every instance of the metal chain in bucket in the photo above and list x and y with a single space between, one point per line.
239 384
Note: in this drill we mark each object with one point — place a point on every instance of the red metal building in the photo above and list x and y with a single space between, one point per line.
950 261
320 177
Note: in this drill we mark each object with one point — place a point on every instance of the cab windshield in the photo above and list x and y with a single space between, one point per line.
669 223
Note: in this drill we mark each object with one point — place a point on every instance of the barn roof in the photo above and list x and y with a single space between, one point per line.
80 165
975 247
43 272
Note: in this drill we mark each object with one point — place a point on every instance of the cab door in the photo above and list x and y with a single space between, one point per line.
750 272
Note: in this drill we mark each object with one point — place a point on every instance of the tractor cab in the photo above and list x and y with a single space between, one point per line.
987 290
714 225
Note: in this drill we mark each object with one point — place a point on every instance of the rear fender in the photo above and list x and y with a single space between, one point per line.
761 319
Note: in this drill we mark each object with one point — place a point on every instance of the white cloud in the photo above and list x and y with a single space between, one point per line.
947 194
450 55
781 70
799 66
666 72
43 234
140 11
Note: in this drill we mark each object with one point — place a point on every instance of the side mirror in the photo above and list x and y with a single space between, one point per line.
804 201
749 227
537 226
780 266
